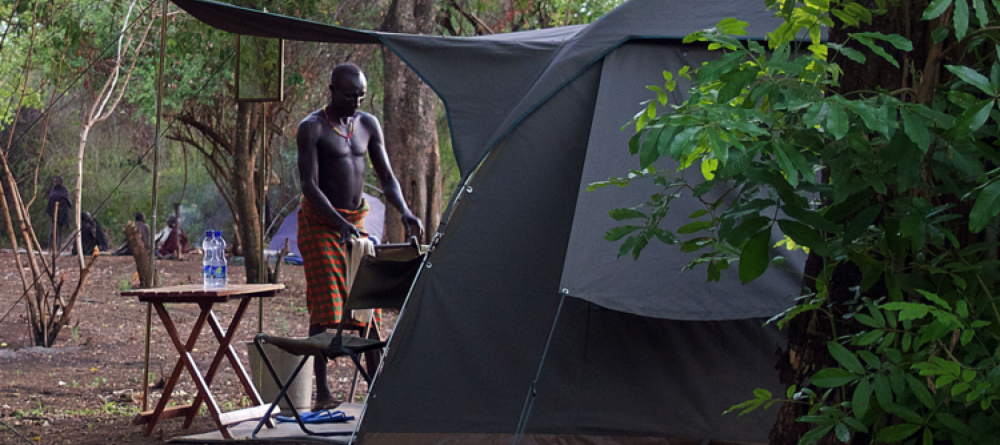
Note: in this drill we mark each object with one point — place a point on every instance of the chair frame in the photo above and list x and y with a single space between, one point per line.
336 348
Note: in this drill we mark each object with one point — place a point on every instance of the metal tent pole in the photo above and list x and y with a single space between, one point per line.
529 401
156 171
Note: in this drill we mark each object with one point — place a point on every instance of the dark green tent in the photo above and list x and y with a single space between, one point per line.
522 296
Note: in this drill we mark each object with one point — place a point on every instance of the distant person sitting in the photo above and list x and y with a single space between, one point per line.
171 239
144 235
92 235
58 194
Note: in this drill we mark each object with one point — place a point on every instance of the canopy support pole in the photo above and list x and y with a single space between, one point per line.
529 401
156 172
262 200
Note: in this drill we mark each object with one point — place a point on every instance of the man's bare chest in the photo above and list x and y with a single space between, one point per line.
333 145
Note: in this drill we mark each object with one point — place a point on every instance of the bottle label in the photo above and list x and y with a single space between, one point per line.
206 270
220 271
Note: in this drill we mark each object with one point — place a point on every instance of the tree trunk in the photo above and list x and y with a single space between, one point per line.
140 254
245 191
808 334
409 114
79 192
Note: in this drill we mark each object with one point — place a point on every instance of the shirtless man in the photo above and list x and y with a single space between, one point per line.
332 143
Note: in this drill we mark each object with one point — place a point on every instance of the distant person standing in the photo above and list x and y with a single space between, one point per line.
58 194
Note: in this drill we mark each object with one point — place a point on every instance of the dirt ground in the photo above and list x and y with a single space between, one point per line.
86 389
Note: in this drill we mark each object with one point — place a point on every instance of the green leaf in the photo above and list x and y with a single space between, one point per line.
804 235
814 435
811 218
971 77
617 233
845 357
862 398
896 433
883 391
850 53
843 434
693 227
755 256
967 336
748 227
916 128
873 117
626 246
921 391
745 127
735 81
935 9
960 18
935 299
692 245
982 16
986 208
649 152
859 225
908 311
953 423
732 26
832 377
870 337
837 121
972 118
867 320
866 40
620 214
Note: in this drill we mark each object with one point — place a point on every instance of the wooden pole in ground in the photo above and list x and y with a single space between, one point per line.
156 174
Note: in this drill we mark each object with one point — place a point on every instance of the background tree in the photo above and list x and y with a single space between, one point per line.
410 124
119 72
894 337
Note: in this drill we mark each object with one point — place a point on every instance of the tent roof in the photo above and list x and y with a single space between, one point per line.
489 94
528 92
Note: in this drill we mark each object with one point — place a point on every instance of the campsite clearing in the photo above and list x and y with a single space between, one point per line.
85 390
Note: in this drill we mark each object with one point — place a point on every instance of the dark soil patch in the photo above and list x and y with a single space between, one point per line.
86 389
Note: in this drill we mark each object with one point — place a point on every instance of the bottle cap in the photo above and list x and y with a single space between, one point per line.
218 233
209 233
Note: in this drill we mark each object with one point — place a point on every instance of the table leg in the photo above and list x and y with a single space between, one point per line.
188 360
178 368
226 349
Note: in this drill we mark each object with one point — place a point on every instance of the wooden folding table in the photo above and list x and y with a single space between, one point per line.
205 298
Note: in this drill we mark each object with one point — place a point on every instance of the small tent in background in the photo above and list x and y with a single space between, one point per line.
521 296
374 222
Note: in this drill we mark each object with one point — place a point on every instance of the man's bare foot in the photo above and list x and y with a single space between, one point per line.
326 404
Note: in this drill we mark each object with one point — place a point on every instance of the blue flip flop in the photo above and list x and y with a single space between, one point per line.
324 416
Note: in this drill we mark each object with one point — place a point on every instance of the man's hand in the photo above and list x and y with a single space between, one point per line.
413 225
348 230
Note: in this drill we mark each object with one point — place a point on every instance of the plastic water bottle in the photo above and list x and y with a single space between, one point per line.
207 261
221 271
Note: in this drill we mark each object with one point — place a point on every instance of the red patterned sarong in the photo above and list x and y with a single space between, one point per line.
325 261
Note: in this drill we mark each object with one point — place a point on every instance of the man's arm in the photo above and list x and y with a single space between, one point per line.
387 180
306 138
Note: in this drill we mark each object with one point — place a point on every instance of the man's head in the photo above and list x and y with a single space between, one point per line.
139 216
57 180
348 87
85 216
171 221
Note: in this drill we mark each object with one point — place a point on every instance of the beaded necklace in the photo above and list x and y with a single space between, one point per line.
350 127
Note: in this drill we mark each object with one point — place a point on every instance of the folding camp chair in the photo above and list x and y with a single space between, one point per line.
382 282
